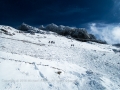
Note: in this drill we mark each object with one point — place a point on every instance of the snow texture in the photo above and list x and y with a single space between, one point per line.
48 61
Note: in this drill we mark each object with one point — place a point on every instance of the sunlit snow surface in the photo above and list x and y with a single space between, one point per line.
30 62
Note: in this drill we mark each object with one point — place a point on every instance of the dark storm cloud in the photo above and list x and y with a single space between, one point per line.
67 12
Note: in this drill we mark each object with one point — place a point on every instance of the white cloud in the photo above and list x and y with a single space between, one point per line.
107 32
116 32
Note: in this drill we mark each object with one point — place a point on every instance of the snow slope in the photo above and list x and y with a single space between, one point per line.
31 62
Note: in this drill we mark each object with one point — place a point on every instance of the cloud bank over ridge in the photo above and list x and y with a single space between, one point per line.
107 32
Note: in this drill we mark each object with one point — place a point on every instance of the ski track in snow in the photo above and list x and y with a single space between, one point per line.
30 62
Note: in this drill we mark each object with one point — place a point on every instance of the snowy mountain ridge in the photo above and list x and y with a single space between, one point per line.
48 61
79 34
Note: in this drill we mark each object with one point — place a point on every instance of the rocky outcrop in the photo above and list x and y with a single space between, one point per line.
7 30
92 36
66 30
27 28
42 27
117 45
80 33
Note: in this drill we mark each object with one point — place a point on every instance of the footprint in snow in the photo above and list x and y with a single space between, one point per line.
35 67
41 75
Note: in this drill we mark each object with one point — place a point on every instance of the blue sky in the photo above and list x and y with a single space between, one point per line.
67 12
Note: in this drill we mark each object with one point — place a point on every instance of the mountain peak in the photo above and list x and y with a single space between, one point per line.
27 28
